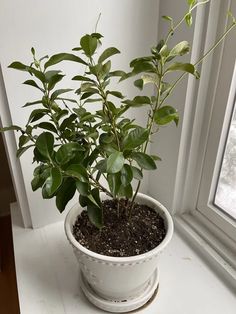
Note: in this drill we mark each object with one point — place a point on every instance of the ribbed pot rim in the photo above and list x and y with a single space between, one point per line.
74 211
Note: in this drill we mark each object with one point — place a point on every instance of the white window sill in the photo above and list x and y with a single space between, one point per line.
47 277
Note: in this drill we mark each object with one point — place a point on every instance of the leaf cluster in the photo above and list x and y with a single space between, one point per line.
75 149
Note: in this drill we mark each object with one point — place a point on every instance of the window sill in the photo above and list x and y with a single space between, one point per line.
216 248
48 283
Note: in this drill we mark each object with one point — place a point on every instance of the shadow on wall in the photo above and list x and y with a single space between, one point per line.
7 194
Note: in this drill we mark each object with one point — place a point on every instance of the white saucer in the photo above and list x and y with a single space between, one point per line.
120 306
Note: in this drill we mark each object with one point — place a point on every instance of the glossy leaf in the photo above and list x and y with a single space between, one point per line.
59 92
114 182
116 94
139 84
63 57
126 175
189 19
82 187
32 83
45 143
135 138
126 191
144 160
138 101
53 182
108 53
180 49
82 78
95 215
115 162
32 103
54 80
137 173
185 67
78 172
47 126
165 115
37 114
67 151
88 44
65 193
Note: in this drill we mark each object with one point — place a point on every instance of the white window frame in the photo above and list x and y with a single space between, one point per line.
214 236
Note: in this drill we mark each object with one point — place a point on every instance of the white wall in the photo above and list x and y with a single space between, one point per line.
56 26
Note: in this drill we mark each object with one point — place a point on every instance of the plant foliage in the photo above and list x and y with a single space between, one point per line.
77 149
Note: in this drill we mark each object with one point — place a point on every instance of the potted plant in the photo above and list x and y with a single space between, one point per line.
120 233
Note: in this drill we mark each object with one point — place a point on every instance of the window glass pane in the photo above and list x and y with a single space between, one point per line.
225 196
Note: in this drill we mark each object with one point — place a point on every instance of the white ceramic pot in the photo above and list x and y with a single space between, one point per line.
119 284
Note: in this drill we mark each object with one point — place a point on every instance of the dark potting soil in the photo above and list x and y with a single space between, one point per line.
121 236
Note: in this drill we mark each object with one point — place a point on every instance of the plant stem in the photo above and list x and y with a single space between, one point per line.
183 19
201 59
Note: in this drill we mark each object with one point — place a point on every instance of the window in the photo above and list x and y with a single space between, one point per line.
217 193
225 196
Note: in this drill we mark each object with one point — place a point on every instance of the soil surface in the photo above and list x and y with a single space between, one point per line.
121 236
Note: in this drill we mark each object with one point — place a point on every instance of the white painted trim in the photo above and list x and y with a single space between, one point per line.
185 141
11 147
205 238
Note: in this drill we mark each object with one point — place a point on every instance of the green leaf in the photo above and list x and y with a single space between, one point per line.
23 139
82 78
10 128
59 92
167 18
143 66
135 138
144 160
53 182
37 114
102 165
63 57
147 79
47 126
115 162
45 143
137 173
54 80
50 74
116 94
37 182
88 44
65 193
126 191
82 187
95 215
32 103
32 83
185 67
22 67
180 49
108 53
19 66
114 182
126 175
139 84
116 73
189 19
78 172
165 115
164 52
138 101
67 151
191 2
67 121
